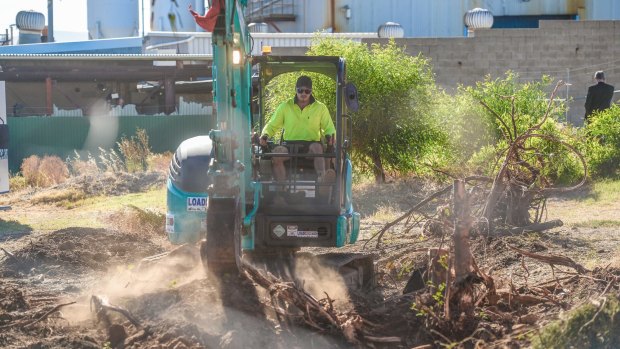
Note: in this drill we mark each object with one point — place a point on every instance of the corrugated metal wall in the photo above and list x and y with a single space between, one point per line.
525 8
437 18
602 9
419 18
62 135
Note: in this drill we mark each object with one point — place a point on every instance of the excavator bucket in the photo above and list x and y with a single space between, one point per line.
356 269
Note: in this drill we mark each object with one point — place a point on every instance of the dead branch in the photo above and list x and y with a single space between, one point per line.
9 254
425 201
415 208
25 324
305 302
522 299
518 180
538 227
51 311
552 259
101 305
383 339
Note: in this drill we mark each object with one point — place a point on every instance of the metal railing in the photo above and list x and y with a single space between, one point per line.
269 10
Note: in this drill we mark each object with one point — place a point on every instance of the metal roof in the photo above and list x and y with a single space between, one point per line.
131 45
104 57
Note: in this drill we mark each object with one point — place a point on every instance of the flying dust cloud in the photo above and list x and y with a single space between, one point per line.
169 292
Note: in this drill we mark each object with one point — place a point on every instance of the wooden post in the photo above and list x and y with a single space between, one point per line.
463 260
49 104
169 96
464 269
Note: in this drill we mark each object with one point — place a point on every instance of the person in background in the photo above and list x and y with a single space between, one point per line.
599 95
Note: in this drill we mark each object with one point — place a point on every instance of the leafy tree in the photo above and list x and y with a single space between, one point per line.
393 129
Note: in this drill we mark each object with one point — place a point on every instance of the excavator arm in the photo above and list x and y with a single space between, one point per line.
230 167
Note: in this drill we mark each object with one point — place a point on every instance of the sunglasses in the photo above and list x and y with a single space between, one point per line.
304 90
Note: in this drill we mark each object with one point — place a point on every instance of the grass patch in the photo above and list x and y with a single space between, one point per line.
17 182
385 213
52 219
605 191
598 223
65 198
132 219
153 199
89 211
13 226
593 325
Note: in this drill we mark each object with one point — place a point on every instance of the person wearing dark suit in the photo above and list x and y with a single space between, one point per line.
599 95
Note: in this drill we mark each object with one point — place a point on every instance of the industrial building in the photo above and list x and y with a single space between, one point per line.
419 18
566 39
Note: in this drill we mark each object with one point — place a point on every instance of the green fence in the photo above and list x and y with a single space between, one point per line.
62 136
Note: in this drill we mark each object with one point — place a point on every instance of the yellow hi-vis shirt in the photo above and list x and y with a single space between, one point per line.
300 125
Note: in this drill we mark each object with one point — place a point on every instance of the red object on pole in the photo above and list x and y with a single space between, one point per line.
207 22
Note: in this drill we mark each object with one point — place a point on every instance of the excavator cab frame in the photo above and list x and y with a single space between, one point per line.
301 211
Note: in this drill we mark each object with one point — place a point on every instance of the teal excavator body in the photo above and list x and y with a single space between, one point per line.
221 190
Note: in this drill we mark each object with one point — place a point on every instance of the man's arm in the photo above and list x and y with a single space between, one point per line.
275 122
327 125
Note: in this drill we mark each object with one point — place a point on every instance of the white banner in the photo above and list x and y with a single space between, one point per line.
4 153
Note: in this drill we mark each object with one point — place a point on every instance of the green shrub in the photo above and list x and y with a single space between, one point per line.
510 108
394 129
470 132
589 326
603 143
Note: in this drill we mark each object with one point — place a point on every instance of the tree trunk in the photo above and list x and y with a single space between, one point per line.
377 168
518 213
461 289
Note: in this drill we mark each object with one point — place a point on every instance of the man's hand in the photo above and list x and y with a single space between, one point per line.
329 139
263 140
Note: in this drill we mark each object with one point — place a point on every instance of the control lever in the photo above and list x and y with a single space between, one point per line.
330 145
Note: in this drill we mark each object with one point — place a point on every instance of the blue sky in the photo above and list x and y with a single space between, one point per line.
69 16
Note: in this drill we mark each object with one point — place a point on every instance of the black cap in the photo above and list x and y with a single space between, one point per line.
304 81
599 75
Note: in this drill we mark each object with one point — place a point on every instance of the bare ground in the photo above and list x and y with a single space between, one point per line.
182 308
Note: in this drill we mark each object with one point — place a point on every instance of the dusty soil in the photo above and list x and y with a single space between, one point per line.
176 306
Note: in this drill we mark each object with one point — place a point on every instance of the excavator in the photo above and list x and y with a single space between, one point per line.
221 193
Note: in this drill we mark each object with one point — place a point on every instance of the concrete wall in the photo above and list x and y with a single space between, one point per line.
567 50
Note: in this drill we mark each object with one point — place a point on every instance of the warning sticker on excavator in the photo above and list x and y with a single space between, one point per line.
292 230
278 230
169 223
197 204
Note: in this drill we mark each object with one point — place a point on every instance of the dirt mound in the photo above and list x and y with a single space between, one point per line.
11 299
79 250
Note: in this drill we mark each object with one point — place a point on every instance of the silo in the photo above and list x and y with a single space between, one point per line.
167 15
30 25
113 18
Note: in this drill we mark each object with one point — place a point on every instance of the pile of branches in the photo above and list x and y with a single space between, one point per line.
450 291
